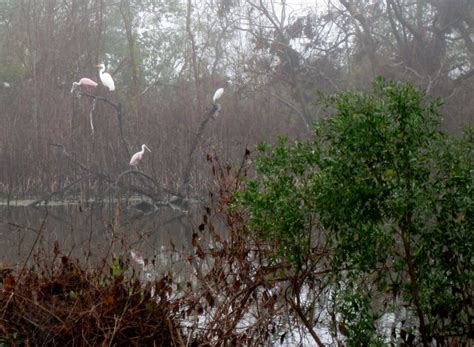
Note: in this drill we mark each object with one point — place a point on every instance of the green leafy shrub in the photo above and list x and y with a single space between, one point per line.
389 193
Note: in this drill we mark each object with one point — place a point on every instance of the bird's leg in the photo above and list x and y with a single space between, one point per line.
91 116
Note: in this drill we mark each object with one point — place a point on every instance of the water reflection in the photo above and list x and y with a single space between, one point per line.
93 230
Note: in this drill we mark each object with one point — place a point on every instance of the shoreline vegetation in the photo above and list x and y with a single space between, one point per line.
237 173
359 236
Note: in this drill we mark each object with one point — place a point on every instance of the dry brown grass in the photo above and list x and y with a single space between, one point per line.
60 302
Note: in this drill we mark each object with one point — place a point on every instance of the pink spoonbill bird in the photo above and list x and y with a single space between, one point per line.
137 157
86 82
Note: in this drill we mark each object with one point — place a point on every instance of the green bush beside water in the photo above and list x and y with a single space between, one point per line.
390 200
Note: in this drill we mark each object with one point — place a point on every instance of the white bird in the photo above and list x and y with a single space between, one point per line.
138 156
6 84
217 95
106 78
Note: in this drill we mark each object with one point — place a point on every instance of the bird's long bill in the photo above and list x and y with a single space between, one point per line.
98 65
148 148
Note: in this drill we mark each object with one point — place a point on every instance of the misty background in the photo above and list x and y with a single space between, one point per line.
167 59
315 241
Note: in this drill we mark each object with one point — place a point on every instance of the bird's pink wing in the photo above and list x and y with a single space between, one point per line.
135 158
88 82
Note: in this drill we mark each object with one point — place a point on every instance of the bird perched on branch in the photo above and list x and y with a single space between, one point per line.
105 78
217 95
137 157
86 82
216 107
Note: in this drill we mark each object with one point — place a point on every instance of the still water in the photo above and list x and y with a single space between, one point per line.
92 230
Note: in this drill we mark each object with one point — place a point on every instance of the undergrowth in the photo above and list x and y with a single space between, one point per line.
60 302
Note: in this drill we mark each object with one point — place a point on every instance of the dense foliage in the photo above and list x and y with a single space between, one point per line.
390 195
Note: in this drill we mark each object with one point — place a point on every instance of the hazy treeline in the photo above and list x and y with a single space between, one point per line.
168 58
